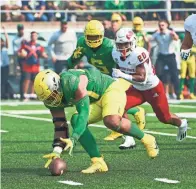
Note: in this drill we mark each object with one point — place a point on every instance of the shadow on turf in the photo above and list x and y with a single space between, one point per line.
33 171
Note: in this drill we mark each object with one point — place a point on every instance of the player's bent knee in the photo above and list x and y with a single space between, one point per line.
112 122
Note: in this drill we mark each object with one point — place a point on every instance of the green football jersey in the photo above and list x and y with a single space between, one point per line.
140 39
97 85
100 57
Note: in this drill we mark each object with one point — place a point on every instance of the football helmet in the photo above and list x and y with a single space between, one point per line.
117 18
47 87
138 24
125 41
94 33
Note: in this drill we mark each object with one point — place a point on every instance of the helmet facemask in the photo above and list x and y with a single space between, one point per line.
125 48
54 99
94 41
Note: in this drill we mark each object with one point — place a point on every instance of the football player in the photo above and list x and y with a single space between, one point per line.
189 65
141 35
190 36
98 50
96 96
135 66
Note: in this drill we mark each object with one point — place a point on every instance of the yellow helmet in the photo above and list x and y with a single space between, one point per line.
116 17
94 33
47 87
138 23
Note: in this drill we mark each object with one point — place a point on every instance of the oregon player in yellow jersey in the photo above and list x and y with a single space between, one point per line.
98 50
141 35
189 65
96 97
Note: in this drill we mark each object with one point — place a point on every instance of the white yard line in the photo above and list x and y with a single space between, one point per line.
19 103
92 125
184 114
166 180
3 131
70 182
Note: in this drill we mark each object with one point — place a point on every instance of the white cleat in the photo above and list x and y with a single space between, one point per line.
182 130
128 143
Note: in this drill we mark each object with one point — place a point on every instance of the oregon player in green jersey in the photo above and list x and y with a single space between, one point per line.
96 96
141 35
98 50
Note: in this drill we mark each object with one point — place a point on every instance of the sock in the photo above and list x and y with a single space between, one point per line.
136 132
191 85
181 84
133 111
87 140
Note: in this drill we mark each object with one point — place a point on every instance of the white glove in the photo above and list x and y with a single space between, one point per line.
185 54
116 73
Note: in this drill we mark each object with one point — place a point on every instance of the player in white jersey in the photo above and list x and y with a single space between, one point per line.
190 36
135 66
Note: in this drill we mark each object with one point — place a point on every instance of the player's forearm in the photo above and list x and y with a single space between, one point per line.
82 107
135 78
60 130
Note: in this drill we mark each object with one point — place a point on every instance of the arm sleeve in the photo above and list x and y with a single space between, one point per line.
82 107
77 55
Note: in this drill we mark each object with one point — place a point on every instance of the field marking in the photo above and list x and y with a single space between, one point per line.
34 112
166 180
70 182
91 125
184 115
27 112
3 131
176 103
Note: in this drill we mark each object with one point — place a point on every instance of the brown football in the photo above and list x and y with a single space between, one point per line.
57 167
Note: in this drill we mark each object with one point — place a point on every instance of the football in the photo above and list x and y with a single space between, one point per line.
57 167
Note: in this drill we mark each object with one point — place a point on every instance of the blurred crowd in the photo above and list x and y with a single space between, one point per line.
163 45
42 10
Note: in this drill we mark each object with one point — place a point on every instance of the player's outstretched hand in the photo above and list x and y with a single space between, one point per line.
70 143
116 73
50 157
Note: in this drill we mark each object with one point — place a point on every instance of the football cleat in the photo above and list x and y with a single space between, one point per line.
192 96
182 130
150 145
129 143
98 165
181 96
113 135
140 118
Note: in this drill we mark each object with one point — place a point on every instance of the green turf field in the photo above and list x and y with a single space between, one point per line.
27 140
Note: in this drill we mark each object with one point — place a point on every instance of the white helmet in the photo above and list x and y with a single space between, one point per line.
125 41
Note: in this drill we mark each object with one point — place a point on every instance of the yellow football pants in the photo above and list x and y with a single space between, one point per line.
112 102
188 65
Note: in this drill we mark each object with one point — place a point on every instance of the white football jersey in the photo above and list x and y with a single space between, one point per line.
128 66
190 25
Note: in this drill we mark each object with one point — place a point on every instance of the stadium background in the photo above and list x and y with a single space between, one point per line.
77 13
27 129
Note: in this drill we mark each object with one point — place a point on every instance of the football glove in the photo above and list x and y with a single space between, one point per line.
70 143
116 73
185 54
50 157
